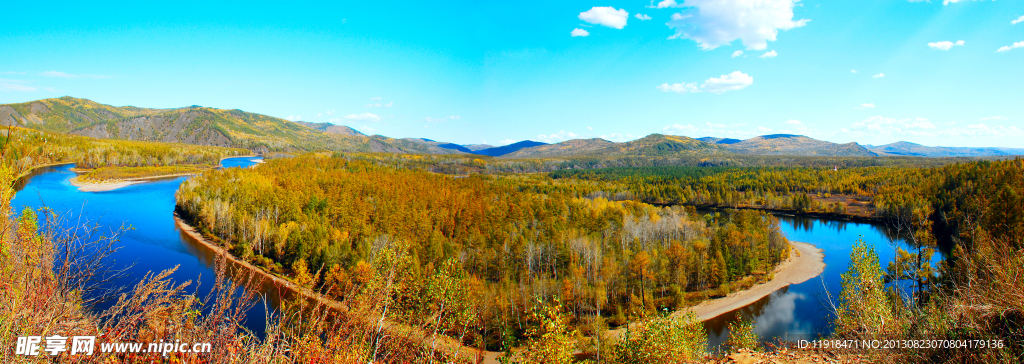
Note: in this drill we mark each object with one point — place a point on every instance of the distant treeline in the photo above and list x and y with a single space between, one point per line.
514 239
25 149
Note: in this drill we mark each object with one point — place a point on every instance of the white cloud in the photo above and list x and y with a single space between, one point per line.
1006 48
328 113
997 117
737 54
882 126
853 71
771 54
589 128
389 104
731 82
945 45
732 130
579 32
642 17
880 75
867 106
16 86
362 117
1021 19
712 23
294 117
605 15
665 4
366 129
618 137
375 98
560 136
12 73
440 120
793 122
505 142
679 87
59 74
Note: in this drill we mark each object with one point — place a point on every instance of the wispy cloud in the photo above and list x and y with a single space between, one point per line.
389 104
15 86
642 17
579 32
867 106
606 16
1014 22
362 117
560 136
665 4
327 113
445 119
853 71
59 74
945 45
770 54
997 117
713 23
294 117
920 127
12 73
679 87
1009 47
730 82
880 75
739 130
737 54
793 122
375 98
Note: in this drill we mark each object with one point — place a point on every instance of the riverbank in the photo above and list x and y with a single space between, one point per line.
115 184
283 284
807 263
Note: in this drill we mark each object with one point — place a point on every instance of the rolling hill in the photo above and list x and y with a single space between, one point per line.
789 144
198 125
331 128
508 149
651 145
917 150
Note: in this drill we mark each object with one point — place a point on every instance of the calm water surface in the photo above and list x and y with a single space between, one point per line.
155 243
802 311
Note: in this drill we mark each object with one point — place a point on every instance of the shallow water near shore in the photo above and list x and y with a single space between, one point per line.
155 243
802 311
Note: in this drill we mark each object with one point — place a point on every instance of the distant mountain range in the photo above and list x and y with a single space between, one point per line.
199 125
236 128
917 150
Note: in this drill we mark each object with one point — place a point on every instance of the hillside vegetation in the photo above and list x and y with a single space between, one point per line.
515 240
25 149
194 125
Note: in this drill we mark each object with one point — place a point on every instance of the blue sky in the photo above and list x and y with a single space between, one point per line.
470 72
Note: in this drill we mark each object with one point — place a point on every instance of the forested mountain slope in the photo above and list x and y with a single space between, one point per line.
193 125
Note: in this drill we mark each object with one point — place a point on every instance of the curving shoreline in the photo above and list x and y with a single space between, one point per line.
309 294
115 184
809 263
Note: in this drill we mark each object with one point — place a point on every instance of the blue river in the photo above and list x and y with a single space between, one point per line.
154 243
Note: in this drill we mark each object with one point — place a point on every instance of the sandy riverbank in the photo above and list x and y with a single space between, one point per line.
443 342
113 185
805 262
799 268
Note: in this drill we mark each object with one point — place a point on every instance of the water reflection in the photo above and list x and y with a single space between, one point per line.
153 244
802 311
